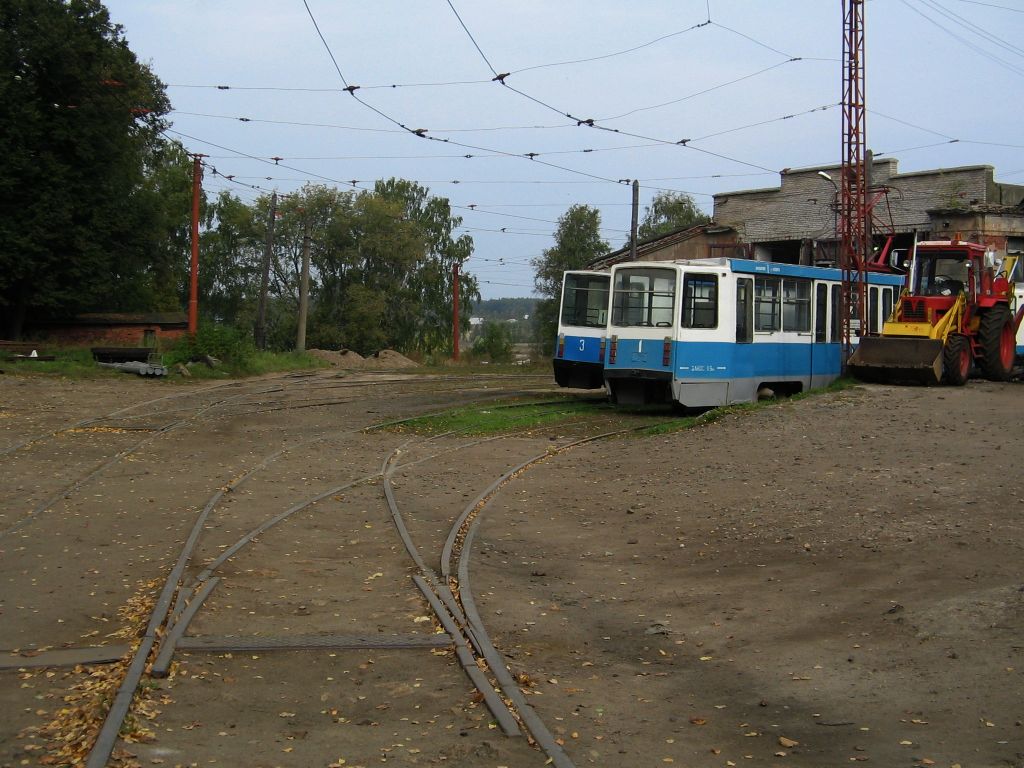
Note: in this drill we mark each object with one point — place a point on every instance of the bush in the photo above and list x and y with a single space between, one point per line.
494 343
230 345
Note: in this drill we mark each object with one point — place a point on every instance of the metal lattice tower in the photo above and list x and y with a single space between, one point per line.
854 216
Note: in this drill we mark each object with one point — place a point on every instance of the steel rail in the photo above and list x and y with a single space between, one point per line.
103 466
538 730
95 419
106 740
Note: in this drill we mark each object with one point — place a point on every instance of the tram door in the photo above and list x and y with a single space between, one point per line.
796 325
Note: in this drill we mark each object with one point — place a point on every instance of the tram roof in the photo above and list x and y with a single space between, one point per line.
749 266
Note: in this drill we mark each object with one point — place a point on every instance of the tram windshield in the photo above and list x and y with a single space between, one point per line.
585 301
644 296
941 275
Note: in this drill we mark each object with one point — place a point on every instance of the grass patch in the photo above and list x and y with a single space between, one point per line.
255 364
72 363
496 418
77 363
708 417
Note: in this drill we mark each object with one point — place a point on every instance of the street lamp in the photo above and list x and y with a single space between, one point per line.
835 212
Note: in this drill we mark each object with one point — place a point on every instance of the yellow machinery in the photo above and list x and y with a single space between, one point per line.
954 313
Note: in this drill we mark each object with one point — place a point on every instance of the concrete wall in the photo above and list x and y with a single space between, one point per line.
698 247
1003 231
802 206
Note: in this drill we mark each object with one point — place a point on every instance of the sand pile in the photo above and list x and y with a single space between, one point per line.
346 358
388 358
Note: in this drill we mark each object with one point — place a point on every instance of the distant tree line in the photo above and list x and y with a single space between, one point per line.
381 267
95 207
505 309
578 242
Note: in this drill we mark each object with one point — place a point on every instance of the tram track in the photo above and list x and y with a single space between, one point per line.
220 408
202 410
465 632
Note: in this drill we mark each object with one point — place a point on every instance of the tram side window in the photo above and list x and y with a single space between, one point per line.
886 303
700 301
872 310
835 314
767 304
821 313
796 305
643 298
744 310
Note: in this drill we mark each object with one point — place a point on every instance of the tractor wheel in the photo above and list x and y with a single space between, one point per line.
956 360
998 345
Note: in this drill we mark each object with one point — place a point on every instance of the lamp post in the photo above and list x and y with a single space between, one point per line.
835 213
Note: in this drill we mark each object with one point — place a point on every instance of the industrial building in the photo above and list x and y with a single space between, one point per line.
797 221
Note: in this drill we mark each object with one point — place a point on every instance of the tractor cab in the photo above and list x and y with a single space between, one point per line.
941 273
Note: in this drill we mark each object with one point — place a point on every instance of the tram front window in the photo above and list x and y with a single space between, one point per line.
644 297
942 275
585 301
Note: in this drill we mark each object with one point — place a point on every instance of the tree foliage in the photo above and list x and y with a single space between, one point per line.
79 127
494 342
668 212
577 242
381 267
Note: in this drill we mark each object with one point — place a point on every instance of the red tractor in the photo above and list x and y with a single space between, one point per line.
956 310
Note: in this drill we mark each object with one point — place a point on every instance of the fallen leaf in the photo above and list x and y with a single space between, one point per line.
698 721
784 742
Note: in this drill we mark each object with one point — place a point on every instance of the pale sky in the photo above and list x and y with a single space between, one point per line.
944 83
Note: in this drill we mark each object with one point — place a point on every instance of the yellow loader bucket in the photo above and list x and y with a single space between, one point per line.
891 359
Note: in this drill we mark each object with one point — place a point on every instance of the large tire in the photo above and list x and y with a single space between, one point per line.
998 345
956 360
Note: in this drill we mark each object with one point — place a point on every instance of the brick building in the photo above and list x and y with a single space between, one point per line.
157 330
796 221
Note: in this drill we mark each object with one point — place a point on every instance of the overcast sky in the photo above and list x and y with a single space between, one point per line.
944 84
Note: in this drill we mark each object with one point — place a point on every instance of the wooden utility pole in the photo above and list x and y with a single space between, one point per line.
455 311
260 332
300 336
636 218
193 285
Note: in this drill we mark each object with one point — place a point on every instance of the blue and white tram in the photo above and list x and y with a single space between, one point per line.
582 319
708 332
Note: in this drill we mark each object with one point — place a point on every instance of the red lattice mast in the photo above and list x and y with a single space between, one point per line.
853 189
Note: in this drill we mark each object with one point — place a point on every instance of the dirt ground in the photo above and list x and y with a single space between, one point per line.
819 582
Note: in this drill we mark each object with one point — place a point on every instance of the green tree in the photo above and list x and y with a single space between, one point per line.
668 212
79 120
231 250
494 342
577 242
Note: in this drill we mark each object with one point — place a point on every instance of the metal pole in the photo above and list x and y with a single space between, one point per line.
633 225
455 311
193 287
260 333
300 336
